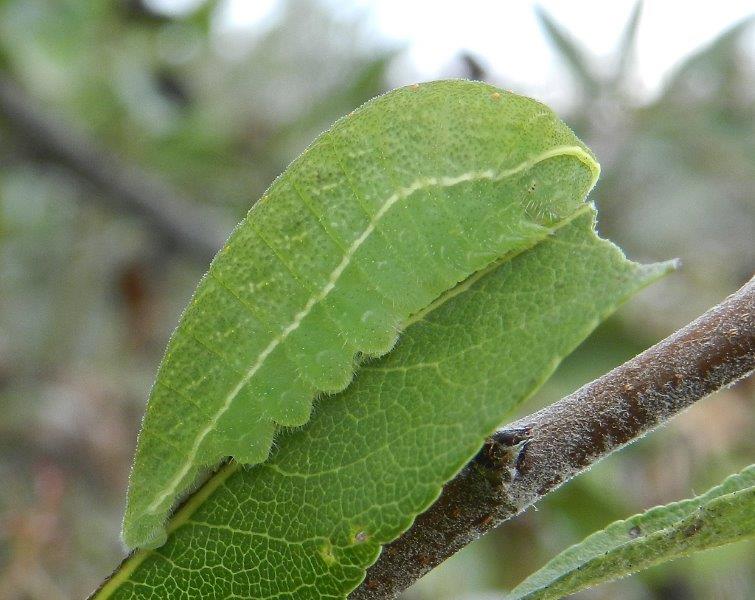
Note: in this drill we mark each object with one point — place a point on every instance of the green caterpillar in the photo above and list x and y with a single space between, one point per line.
376 223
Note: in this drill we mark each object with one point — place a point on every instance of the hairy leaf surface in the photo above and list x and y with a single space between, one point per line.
393 206
311 519
722 515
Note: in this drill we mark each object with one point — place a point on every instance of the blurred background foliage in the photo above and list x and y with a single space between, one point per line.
131 141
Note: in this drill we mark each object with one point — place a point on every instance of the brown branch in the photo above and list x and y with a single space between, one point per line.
535 455
176 221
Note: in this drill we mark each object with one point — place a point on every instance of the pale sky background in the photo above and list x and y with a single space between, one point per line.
506 36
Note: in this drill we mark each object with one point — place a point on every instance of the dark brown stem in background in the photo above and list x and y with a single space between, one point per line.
180 223
535 455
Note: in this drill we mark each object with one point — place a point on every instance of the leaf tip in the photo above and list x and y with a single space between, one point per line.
143 532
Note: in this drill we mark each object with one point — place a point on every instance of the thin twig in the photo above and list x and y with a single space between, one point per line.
187 226
535 455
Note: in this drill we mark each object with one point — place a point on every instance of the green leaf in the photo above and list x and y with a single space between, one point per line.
310 520
626 47
570 51
722 515
394 205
